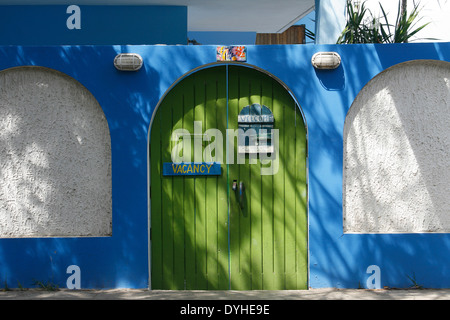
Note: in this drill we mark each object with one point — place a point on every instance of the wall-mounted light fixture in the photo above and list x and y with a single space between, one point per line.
128 62
326 60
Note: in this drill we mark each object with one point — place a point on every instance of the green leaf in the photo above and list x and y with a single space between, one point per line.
356 31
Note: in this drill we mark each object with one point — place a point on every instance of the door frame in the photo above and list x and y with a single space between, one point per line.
174 84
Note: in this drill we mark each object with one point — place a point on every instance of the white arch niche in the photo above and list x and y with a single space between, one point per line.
397 152
55 157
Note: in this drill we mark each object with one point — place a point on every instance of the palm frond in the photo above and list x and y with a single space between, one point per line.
356 29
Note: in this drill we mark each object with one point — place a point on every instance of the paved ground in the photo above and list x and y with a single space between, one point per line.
312 294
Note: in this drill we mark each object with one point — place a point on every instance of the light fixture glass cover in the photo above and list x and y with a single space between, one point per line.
326 60
128 62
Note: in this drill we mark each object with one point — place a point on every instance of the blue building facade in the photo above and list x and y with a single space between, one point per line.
129 99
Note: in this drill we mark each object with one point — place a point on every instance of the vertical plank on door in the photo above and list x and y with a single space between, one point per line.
254 194
279 196
189 193
267 217
178 196
166 199
200 186
216 192
288 154
222 186
234 95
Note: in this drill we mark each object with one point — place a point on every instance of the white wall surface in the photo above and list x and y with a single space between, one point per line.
397 152
55 157
330 20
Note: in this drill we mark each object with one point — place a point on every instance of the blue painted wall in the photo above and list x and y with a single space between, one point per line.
128 100
92 25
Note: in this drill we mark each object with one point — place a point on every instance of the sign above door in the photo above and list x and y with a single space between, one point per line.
256 126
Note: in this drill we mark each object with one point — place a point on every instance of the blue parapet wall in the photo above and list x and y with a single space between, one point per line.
92 25
128 100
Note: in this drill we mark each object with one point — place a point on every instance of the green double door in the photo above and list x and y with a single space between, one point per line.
240 229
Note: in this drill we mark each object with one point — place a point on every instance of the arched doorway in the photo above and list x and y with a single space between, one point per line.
240 221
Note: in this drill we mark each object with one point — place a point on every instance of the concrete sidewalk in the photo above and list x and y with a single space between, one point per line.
312 294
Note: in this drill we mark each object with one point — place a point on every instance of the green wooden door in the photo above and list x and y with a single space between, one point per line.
204 235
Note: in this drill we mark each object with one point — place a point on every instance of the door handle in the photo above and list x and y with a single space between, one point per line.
241 194
240 197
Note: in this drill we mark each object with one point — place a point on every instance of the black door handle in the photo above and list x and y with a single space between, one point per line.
241 194
240 197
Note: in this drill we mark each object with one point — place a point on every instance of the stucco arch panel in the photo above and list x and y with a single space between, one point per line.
396 151
55 162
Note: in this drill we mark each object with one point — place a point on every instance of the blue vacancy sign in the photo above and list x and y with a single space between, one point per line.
191 169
